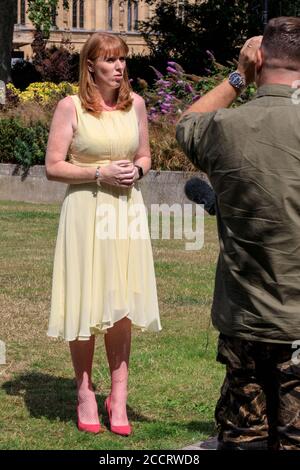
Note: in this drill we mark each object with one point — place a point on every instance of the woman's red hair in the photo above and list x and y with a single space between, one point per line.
102 45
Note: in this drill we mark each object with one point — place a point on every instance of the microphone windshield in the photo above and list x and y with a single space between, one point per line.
200 192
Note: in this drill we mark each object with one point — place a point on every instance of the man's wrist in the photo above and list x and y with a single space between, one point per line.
238 80
244 74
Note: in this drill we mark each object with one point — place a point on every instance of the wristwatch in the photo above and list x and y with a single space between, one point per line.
140 170
237 80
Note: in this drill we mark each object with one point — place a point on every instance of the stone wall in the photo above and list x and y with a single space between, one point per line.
165 187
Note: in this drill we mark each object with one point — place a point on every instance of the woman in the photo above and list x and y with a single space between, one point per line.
103 277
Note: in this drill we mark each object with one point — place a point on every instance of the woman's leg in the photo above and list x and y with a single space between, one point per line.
82 353
117 343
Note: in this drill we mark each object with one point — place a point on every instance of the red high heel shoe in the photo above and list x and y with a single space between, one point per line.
121 430
93 428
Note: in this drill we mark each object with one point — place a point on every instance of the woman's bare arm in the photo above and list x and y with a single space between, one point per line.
143 155
60 137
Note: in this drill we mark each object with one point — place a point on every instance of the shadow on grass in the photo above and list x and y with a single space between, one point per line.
202 427
53 397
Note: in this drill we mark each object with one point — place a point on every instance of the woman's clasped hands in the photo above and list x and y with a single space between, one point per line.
121 173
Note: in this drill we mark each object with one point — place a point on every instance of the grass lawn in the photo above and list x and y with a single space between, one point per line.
174 378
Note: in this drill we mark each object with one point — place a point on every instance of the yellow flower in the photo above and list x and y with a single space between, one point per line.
44 91
15 90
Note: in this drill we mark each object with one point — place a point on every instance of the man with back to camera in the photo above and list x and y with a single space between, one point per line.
251 155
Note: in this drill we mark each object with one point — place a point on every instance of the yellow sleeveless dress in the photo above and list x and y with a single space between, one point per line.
101 273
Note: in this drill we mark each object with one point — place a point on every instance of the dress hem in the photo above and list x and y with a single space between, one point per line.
102 330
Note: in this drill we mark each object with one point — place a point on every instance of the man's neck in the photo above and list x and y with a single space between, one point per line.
288 78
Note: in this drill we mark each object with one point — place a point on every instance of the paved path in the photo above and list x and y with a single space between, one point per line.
209 444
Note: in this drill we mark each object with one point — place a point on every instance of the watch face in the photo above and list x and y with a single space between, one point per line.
236 80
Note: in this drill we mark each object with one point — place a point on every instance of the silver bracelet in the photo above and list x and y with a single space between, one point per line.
97 176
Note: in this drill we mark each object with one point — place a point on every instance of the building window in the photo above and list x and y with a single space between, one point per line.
136 15
53 16
23 12
81 14
74 14
129 15
110 14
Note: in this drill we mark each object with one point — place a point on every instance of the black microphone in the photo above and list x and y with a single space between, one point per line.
200 192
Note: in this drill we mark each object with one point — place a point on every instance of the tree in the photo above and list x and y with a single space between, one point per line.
185 31
284 8
7 19
42 12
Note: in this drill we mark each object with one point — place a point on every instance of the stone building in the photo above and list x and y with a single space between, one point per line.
83 18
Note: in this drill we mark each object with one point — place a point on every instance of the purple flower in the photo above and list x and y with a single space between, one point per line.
172 70
163 82
210 55
153 117
189 88
168 97
195 98
157 72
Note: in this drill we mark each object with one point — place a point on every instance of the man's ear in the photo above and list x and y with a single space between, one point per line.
259 60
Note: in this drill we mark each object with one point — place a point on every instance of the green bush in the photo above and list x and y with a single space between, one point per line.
30 145
9 128
26 117
22 144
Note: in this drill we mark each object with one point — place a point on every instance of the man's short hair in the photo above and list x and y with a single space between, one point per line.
281 43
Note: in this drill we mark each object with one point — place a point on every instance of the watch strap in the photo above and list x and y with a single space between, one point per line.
140 171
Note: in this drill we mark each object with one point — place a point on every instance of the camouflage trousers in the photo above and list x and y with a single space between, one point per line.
259 406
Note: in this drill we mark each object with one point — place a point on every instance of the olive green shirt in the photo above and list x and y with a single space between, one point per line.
251 155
